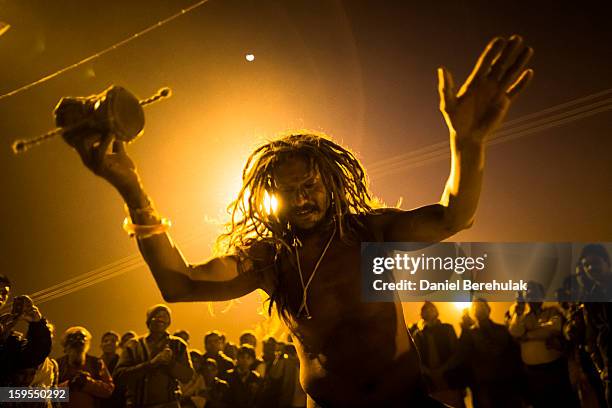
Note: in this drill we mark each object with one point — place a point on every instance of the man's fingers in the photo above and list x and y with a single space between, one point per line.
119 147
446 89
100 149
487 57
83 145
506 57
520 84
517 68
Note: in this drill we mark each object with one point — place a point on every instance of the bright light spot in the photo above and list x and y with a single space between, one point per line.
270 203
4 27
250 57
462 305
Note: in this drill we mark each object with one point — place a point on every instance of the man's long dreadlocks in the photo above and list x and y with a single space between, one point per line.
251 217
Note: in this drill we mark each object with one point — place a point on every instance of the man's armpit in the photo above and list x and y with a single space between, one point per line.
257 260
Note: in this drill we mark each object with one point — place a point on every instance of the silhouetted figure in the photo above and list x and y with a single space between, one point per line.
595 262
150 367
248 337
583 374
213 345
18 351
127 336
191 389
244 383
437 343
231 350
86 376
216 391
109 346
538 329
492 359
183 334
296 231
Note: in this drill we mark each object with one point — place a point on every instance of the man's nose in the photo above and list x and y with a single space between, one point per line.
300 197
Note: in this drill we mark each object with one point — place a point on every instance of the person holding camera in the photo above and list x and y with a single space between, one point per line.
19 352
86 376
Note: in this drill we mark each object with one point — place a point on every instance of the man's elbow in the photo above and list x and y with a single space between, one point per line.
455 226
173 297
455 221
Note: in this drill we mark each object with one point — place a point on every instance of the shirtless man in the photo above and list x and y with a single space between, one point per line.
306 253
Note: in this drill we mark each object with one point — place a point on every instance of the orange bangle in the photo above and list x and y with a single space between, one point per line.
145 231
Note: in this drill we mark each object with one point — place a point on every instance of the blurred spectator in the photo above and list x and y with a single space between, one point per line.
127 336
231 350
151 366
491 358
47 374
269 351
437 343
190 391
86 376
213 344
109 345
183 334
17 352
538 330
583 373
595 262
244 383
248 337
216 391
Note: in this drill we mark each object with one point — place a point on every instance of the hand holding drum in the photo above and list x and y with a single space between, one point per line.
98 127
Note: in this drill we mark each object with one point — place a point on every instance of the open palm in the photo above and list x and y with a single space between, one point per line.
481 104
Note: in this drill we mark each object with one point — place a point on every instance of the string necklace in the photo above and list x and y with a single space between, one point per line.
296 244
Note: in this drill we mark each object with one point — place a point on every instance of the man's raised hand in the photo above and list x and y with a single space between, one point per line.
106 157
474 111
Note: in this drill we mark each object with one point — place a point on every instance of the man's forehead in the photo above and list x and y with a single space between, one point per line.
160 313
294 171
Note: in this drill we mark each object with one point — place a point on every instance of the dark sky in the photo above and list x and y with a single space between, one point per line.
362 71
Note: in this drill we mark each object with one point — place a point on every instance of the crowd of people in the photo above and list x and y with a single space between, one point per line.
154 370
542 355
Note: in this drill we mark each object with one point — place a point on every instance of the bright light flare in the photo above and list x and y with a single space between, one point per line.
270 203
462 305
4 27
250 57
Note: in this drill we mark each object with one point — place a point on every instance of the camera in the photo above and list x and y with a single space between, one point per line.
20 304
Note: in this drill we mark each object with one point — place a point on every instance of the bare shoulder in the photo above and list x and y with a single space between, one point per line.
424 224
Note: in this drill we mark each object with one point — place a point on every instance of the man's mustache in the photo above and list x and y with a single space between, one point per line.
308 207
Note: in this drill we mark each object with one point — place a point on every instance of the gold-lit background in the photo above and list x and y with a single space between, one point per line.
362 71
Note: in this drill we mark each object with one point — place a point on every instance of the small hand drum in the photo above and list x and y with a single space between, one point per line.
116 111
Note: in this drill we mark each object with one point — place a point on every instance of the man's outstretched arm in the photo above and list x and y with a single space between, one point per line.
472 114
178 281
